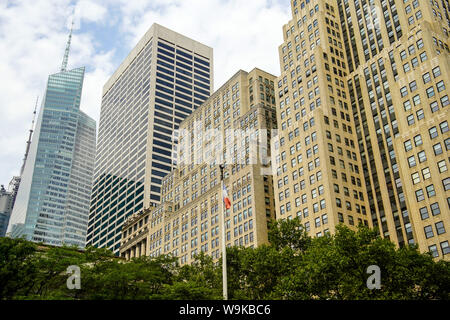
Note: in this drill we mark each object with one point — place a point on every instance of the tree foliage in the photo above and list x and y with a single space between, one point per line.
293 266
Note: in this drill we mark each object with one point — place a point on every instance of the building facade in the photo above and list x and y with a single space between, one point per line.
163 80
319 176
225 129
6 204
135 235
399 86
52 201
374 76
14 188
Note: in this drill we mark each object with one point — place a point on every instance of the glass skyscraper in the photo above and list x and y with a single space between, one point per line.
52 204
164 78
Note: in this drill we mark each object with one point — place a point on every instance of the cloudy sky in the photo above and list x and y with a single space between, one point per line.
33 34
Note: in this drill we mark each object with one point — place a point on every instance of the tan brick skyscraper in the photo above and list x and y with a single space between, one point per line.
363 113
188 220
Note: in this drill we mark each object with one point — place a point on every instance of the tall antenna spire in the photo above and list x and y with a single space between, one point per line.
69 41
29 138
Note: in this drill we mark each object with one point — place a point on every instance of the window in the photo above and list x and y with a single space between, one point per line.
437 149
445 101
433 250
435 210
434 106
423 56
408 145
350 220
317 222
433 132
403 91
422 156
426 77
415 178
436 72
445 248
420 115
442 165
418 140
430 191
444 127
403 55
406 67
440 86
424 213
412 161
440 227
426 173
407 105
419 44
428 232
446 184
418 15
420 195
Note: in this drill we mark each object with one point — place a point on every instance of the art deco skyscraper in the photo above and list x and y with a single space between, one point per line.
365 82
164 79
319 174
52 204
399 64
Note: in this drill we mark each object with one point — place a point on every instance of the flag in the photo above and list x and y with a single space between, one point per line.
226 199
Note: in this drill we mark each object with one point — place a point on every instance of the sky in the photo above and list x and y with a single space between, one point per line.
33 35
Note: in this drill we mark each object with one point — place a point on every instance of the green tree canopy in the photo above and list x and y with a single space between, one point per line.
293 266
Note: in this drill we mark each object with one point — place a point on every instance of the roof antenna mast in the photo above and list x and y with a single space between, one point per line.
69 41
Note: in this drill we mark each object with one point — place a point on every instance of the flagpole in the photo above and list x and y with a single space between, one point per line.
224 248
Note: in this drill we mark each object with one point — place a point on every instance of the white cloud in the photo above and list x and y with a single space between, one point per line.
243 33
91 11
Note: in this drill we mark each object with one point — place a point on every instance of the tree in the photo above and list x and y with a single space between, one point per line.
294 266
254 273
200 280
288 233
51 279
17 267
115 279
335 267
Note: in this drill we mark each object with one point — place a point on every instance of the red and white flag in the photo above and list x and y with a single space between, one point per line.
226 199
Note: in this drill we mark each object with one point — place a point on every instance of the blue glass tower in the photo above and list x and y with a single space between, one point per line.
52 204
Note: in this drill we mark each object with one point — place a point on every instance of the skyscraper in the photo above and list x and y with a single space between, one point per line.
6 199
225 129
164 78
318 168
52 204
398 82
364 91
